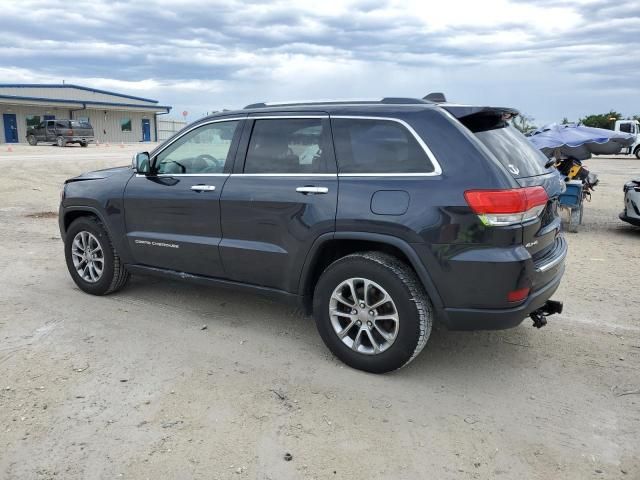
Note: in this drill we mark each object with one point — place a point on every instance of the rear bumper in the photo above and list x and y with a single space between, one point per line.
80 139
499 319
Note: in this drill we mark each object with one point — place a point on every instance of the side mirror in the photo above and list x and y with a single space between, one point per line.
141 163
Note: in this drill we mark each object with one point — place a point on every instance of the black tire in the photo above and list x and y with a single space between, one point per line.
61 142
637 152
413 307
31 139
114 275
84 144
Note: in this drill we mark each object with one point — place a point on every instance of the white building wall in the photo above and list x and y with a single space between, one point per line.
106 123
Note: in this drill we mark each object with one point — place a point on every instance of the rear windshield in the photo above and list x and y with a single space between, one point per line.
514 151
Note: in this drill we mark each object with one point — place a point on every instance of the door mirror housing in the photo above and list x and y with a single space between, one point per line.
141 163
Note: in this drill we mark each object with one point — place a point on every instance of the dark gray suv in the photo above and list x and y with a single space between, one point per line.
381 217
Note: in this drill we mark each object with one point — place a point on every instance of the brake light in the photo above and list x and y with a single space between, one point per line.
507 207
70 133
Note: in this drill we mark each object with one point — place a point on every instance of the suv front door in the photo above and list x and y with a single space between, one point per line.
280 198
173 214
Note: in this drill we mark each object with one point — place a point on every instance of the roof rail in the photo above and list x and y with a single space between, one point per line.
385 100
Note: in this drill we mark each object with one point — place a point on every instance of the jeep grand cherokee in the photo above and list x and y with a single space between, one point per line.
381 217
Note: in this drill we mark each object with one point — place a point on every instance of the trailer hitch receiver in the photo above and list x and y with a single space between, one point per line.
540 315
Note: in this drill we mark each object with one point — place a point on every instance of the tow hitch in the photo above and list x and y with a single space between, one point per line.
540 315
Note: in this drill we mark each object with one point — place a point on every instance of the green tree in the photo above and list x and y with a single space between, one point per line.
565 121
524 123
601 120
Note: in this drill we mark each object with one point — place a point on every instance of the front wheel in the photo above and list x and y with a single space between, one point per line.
372 311
32 140
61 142
637 152
92 260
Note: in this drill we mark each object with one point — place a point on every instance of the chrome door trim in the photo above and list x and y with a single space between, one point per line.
203 188
312 189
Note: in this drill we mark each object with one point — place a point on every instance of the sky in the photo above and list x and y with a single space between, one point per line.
548 58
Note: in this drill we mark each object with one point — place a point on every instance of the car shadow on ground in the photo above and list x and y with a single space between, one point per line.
460 353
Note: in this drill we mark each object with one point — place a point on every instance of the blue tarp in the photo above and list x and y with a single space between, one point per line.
579 141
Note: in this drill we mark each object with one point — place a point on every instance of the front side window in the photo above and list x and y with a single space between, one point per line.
288 145
125 124
377 146
203 150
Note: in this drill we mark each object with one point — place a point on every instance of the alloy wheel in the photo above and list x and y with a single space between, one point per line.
88 256
364 316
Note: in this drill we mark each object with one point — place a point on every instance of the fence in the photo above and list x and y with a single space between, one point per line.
166 128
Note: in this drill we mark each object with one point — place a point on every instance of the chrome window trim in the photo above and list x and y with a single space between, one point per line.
284 175
184 175
432 158
285 117
437 169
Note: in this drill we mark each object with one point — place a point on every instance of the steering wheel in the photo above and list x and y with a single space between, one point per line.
209 158
181 166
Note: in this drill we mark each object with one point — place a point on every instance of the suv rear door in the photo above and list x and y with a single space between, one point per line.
173 215
280 198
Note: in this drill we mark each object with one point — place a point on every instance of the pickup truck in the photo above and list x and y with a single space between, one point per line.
61 132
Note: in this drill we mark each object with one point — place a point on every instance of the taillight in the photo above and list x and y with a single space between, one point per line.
507 207
70 133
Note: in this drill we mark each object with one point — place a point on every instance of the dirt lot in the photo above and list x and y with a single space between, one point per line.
131 386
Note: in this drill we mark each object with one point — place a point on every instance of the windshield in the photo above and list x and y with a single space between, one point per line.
514 151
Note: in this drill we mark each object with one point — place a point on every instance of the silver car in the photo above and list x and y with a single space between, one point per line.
631 212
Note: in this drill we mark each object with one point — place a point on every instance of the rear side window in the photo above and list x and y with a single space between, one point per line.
288 146
377 146
514 151
62 124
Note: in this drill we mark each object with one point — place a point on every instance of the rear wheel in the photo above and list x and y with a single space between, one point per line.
32 140
372 312
61 142
83 144
92 260
637 152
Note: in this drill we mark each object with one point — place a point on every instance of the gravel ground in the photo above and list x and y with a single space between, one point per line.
131 385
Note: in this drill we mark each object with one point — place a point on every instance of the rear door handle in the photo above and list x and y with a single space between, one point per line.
203 188
313 190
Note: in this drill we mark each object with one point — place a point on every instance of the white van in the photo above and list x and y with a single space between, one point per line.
630 126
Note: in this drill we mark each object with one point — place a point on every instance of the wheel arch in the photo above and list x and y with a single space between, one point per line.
73 213
331 246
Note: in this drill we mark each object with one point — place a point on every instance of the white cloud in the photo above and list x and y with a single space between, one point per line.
551 58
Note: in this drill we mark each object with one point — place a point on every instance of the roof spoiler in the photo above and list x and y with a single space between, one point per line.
462 111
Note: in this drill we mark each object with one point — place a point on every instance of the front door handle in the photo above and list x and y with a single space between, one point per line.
203 188
312 190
